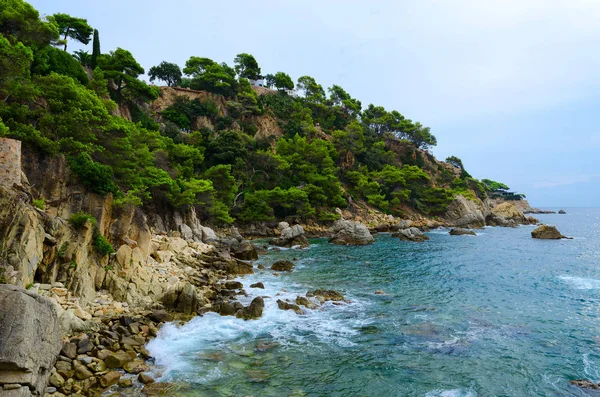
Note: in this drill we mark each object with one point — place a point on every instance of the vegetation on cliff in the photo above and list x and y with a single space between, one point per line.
328 151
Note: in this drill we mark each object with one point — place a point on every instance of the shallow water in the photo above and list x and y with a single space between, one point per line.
497 314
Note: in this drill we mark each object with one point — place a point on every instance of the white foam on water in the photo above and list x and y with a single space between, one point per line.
590 368
451 393
581 282
181 351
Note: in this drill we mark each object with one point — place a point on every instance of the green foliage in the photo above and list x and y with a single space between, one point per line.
63 250
184 111
39 203
493 186
95 50
123 69
266 205
72 27
102 246
313 92
283 81
97 177
51 59
455 161
210 76
20 22
167 72
29 286
246 66
80 219
73 265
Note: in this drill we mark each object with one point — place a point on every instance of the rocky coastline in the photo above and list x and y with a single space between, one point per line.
105 307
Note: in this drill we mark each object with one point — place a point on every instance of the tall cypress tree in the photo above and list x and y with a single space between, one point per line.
96 49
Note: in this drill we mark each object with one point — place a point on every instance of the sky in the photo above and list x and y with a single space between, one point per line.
509 86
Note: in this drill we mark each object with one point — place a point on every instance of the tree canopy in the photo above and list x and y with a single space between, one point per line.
72 27
246 66
167 72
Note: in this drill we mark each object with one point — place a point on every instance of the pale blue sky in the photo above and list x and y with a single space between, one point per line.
509 86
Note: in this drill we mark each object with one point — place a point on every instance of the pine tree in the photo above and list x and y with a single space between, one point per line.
96 49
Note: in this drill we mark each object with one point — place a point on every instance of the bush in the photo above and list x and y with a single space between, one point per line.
39 203
102 246
80 219
97 177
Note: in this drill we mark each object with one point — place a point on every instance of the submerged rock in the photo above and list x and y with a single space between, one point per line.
411 234
283 266
547 232
350 233
457 231
585 384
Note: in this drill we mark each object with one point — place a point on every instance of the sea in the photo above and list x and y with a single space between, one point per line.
496 314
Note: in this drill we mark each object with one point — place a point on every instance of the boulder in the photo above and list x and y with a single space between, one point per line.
290 236
326 295
288 306
253 310
257 285
245 250
411 234
160 316
145 379
283 266
509 212
547 232
562 212
347 232
303 301
457 231
30 339
110 378
233 285
465 213
585 384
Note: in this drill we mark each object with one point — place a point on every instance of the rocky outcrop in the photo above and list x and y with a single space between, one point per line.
562 212
290 236
283 266
411 234
253 310
30 341
347 232
547 232
457 231
466 213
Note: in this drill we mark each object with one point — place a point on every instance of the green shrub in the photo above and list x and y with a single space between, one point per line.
73 265
39 203
80 219
63 249
102 246
97 177
29 286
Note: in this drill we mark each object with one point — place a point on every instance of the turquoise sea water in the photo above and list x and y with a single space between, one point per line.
497 314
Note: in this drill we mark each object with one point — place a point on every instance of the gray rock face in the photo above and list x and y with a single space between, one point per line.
465 213
350 233
411 234
30 340
290 236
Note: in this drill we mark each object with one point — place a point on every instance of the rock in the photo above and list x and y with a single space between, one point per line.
134 340
118 359
585 384
233 285
245 251
509 212
350 233
411 234
547 232
160 389
261 267
326 295
81 371
562 212
283 266
457 231
253 310
84 346
380 292
160 316
30 338
303 301
145 379
290 236
239 267
465 213
125 383
263 346
227 309
56 379
110 378
257 285
135 367
69 350
288 306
